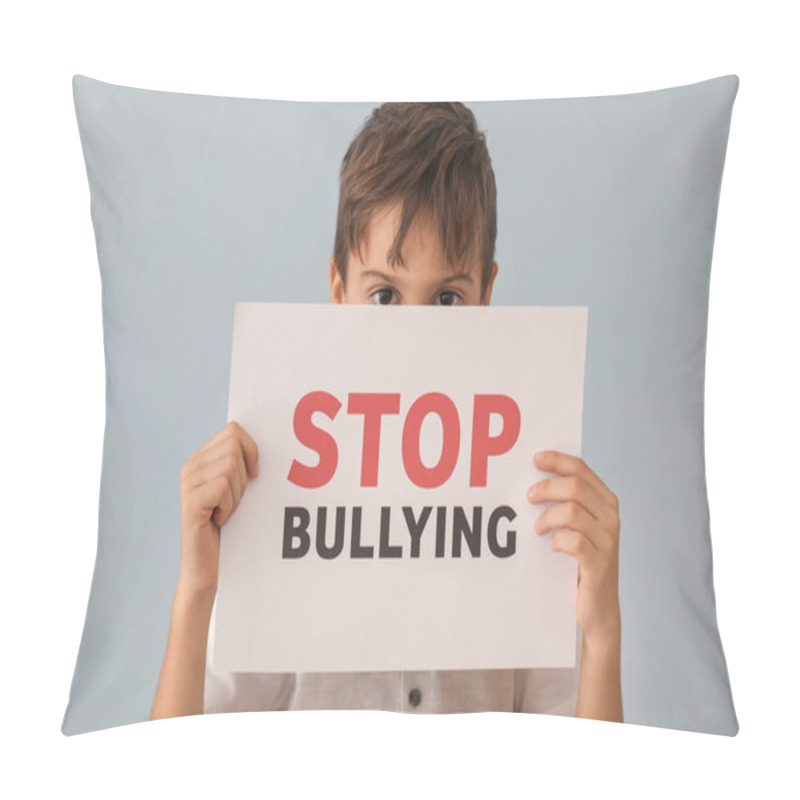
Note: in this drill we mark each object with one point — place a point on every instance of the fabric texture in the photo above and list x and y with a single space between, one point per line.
536 691
610 202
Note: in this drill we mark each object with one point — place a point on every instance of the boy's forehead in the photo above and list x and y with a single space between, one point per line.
421 249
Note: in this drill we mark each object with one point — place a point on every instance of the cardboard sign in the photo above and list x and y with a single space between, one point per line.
389 527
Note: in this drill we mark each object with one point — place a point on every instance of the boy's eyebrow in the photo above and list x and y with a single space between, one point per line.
374 273
461 276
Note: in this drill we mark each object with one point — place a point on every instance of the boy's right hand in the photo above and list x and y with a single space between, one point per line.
213 481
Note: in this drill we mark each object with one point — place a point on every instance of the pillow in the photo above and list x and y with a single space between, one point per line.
608 202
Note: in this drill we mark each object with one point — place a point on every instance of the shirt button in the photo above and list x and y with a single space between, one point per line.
414 697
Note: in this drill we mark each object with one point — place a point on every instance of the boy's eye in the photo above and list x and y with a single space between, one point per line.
382 297
449 298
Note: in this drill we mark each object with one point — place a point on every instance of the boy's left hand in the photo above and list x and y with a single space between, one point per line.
586 519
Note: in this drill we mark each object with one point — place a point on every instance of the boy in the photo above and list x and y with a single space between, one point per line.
416 223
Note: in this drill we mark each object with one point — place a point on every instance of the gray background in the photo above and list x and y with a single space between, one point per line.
610 202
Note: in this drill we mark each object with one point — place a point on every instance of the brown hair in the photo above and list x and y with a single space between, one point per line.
431 157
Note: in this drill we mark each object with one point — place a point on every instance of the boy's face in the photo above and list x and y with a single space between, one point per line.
424 280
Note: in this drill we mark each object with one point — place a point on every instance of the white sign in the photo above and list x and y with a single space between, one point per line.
389 527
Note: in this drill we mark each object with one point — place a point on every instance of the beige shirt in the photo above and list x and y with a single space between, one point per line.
537 691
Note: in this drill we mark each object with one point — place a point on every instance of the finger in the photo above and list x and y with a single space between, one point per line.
566 464
570 488
222 434
211 496
233 431
226 504
227 441
606 524
225 457
568 515
575 544
248 445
